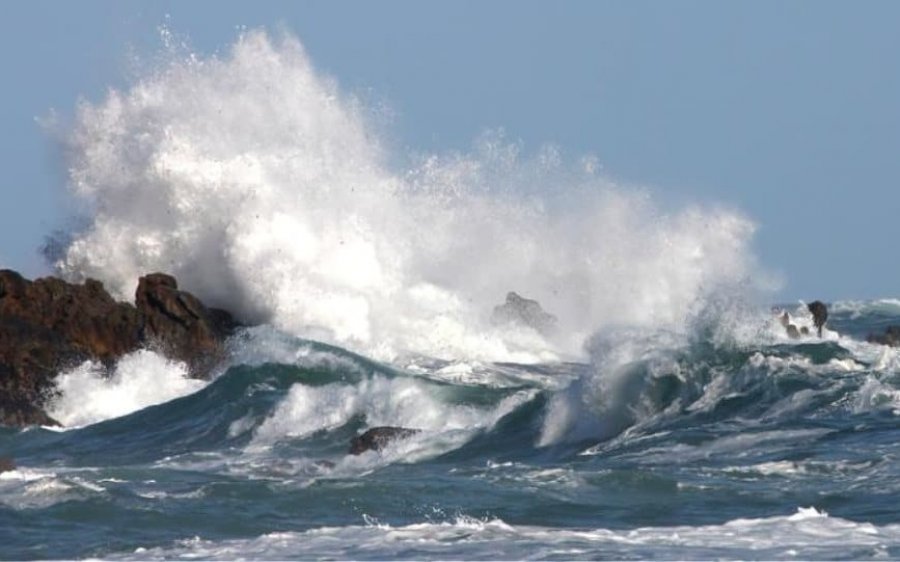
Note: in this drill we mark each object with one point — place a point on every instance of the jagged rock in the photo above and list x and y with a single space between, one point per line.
377 438
519 310
49 325
820 314
7 464
891 337
179 324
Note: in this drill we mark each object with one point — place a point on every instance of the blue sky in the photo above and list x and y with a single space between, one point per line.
789 111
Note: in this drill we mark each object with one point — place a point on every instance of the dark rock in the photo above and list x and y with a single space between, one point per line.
7 464
792 332
49 325
377 438
519 310
891 337
820 314
179 324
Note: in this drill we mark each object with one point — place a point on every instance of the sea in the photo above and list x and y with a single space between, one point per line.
664 413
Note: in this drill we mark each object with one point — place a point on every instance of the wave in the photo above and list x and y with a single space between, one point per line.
267 190
287 396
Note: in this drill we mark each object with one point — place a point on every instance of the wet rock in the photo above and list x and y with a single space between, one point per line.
377 438
49 325
820 314
891 337
519 310
179 324
7 464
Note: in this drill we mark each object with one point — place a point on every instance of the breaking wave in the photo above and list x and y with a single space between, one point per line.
267 190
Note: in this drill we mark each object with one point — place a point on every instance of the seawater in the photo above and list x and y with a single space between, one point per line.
778 449
666 415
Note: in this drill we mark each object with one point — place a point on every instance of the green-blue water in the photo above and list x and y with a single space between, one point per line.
755 450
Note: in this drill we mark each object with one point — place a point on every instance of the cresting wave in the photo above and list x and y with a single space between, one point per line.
266 190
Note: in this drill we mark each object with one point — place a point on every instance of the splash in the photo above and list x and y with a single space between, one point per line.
266 190
139 380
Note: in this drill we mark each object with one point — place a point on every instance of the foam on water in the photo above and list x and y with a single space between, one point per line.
807 534
265 189
87 394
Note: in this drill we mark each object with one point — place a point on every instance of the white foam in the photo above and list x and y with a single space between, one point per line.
401 401
266 190
807 534
857 308
876 395
140 379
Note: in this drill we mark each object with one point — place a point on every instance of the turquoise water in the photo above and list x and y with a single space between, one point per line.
773 449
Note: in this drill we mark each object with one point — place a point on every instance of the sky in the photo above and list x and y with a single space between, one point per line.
787 111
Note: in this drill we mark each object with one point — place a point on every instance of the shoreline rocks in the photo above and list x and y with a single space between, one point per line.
49 325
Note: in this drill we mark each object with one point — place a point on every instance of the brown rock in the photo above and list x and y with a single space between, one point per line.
7 464
49 325
819 313
178 323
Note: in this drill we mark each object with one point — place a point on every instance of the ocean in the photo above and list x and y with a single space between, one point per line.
658 411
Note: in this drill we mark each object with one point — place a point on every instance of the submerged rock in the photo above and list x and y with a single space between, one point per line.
49 325
519 310
378 438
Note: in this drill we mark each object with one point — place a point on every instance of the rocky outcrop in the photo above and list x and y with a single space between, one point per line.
48 325
378 438
519 310
891 337
179 325
819 313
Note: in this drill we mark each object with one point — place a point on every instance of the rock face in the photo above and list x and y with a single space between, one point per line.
377 438
519 310
49 325
178 324
891 337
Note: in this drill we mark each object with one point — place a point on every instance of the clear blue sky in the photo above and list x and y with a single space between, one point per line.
789 111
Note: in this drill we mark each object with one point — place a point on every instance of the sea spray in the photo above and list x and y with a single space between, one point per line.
88 394
265 190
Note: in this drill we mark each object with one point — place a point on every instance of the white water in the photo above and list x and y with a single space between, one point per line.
400 402
265 189
140 379
807 534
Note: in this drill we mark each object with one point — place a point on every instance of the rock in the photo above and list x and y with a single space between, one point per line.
179 324
7 464
792 332
891 337
49 325
820 314
377 438
528 312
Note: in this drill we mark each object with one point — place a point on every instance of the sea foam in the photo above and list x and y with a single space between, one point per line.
140 379
267 190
